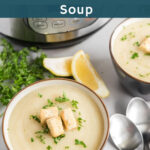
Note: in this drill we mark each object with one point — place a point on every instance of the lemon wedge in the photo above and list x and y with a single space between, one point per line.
84 72
58 66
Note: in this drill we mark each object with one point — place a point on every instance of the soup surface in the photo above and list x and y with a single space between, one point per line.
127 52
22 128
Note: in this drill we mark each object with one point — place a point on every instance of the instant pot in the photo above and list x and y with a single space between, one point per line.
50 32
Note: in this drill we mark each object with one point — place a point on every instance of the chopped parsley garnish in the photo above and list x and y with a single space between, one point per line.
129 35
80 122
144 75
40 95
32 139
136 44
74 110
49 147
124 38
62 98
35 118
134 55
147 36
50 104
74 104
59 108
19 69
41 138
44 131
67 147
57 139
77 142
141 75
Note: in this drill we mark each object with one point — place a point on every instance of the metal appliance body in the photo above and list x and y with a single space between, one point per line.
50 30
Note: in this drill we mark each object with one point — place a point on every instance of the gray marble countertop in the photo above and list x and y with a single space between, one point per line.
97 46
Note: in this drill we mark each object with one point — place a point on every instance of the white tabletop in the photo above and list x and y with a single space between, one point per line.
97 46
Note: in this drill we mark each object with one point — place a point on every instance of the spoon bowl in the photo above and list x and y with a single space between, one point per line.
125 134
139 112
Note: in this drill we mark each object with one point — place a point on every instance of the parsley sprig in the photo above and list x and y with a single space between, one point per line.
134 55
36 118
19 69
80 122
77 142
57 139
74 104
62 99
49 147
41 138
50 104
44 131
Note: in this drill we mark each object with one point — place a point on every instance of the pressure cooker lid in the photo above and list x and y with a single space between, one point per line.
50 30
58 25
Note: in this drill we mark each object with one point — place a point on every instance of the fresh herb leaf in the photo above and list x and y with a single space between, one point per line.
74 104
49 147
134 55
44 131
77 142
136 44
32 139
50 104
131 34
40 95
59 108
35 118
66 147
141 75
57 139
144 75
124 38
80 122
19 69
147 36
33 48
41 138
62 98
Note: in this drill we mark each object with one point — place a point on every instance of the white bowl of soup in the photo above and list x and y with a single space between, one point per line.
21 123
131 61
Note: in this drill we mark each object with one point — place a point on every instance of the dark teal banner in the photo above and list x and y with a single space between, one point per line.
75 8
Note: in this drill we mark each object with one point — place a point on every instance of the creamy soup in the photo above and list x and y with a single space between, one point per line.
127 52
22 128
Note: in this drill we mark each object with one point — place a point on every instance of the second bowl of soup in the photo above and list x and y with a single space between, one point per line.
130 52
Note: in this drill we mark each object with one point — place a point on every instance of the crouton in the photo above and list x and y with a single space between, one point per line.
68 119
48 113
55 125
145 45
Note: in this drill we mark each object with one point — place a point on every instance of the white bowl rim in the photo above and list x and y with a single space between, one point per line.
65 79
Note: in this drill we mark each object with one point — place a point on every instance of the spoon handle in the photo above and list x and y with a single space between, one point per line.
146 146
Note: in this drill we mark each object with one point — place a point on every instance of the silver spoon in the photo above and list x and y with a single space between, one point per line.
139 112
125 134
